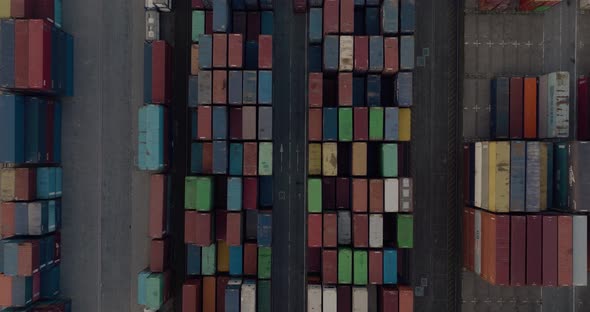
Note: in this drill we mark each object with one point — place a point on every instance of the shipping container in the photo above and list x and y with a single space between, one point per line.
558 84
360 230
580 250
152 140
530 107
579 179
534 250
374 90
314 298
533 176
565 250
346 61
583 112
331 16
344 228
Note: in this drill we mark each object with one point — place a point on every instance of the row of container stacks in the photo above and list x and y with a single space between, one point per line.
371 298
229 193
50 10
547 249
519 176
583 111
520 5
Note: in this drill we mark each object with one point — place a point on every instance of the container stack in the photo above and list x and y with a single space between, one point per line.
228 193
36 58
154 152
520 5
360 203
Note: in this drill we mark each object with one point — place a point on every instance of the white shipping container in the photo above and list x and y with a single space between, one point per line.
330 299
248 297
584 4
558 107
163 5
360 299
152 25
391 201
314 298
580 250
405 195
477 248
346 53
478 174
376 230
149 4
485 174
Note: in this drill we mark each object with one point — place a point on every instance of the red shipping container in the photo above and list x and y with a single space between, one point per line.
25 187
485 253
331 18
250 259
250 194
40 55
21 54
28 258
330 266
314 230
21 8
7 226
406 299
197 4
209 289
330 230
360 230
203 228
516 108
157 205
253 26
250 159
235 123
534 235
388 300
345 89
359 195
209 22
361 54
502 261
344 299
472 239
466 237
391 56
234 229
376 195
219 87
314 260
347 16
342 193
158 255
265 51
204 123
190 224
191 295
316 88
564 250
207 158
550 250
222 282
221 225
161 72
315 124
236 51
375 267
361 123
219 50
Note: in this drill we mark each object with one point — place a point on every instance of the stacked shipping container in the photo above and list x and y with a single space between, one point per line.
360 226
36 58
228 195
520 5
154 152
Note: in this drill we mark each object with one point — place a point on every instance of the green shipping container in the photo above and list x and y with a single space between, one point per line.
198 193
265 158
345 124
208 256
263 300
344 266
314 195
198 25
154 291
405 231
360 267
389 160
264 258
376 123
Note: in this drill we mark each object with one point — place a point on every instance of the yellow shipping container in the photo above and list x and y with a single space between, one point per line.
492 176
222 256
315 159
4 8
330 159
405 124
7 183
502 168
359 159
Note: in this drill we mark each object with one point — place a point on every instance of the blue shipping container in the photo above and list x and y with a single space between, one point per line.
408 16
314 58
358 91
330 124
264 237
533 177
376 54
238 5
234 194
7 53
70 66
359 21
499 108
221 16
236 154
232 296
12 136
219 123
193 259
404 89
235 260
33 107
265 87
251 60
265 191
372 27
196 157
266 23
219 157
390 17
389 266
406 50
266 4
391 123
235 87
205 52
517 175
57 132
151 138
331 50
315 25
193 91
21 219
373 90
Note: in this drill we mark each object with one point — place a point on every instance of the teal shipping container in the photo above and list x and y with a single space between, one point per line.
152 138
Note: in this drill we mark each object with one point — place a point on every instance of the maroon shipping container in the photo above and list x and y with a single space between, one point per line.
314 230
583 113
203 228
21 54
219 87
391 53
158 255
315 124
388 300
375 267
330 266
207 158
328 193
534 235
359 195
375 195
315 91
250 259
250 159
157 205
234 229
331 18
21 8
550 250
265 51
347 16
518 251
44 9
516 108
564 250
300 6
250 194
161 72
236 51
342 193
314 260
361 123
502 264
345 89
221 284
361 54
330 230
209 22
197 4
204 123
221 225
219 50
40 55
253 26
190 223
360 230
235 123
344 299
191 294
